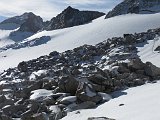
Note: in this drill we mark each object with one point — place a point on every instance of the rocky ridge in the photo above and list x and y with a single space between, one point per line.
82 78
135 6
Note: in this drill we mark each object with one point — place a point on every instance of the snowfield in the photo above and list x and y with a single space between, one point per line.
69 38
138 103
147 52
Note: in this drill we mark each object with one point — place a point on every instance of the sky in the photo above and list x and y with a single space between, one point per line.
50 8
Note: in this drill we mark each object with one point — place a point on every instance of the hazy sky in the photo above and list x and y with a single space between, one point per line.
50 8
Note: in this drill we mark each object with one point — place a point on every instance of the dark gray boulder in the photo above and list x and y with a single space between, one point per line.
22 67
136 64
151 70
68 84
85 92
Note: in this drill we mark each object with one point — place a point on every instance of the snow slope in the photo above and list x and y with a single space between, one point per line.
147 52
69 38
140 103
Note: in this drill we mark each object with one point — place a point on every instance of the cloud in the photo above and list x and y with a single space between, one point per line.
50 8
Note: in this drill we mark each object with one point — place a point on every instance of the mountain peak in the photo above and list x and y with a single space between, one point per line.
70 17
70 9
28 13
32 24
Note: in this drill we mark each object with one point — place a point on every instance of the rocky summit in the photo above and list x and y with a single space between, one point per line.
32 24
52 85
17 21
135 6
71 17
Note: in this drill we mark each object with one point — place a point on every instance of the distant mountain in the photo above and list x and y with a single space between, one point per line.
15 22
33 23
29 24
135 6
72 17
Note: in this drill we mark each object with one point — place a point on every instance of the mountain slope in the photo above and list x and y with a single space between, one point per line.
82 78
135 6
69 38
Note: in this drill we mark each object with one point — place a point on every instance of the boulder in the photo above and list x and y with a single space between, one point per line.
123 69
138 82
136 64
68 84
129 39
101 78
23 67
54 53
97 79
99 88
151 70
85 92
